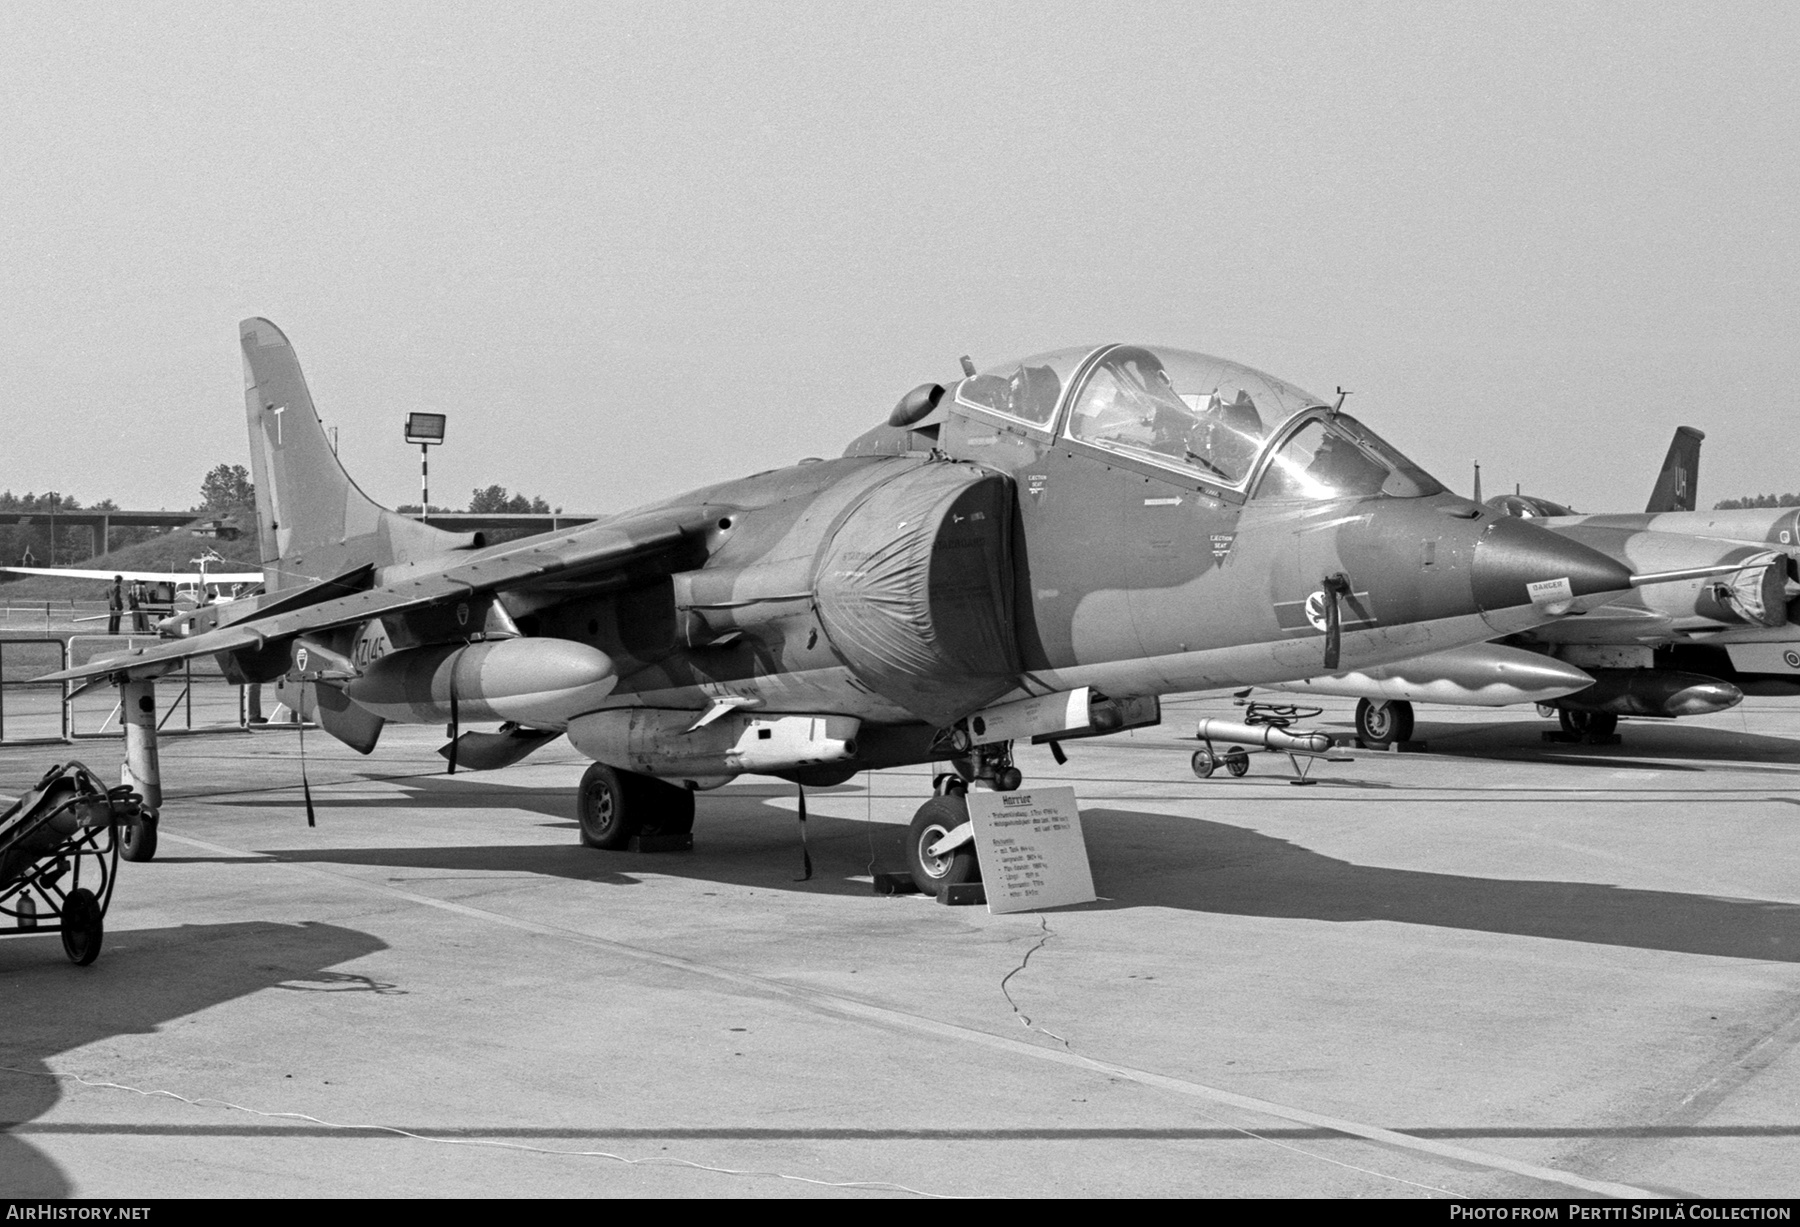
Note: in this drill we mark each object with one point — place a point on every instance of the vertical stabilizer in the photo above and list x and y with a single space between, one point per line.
1679 480
313 522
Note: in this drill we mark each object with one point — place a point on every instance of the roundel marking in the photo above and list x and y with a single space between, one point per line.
1315 610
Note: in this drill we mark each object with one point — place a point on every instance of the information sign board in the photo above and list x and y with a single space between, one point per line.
1030 847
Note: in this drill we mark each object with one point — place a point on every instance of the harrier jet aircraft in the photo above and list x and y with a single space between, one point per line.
1040 549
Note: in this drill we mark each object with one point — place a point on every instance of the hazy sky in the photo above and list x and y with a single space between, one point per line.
631 249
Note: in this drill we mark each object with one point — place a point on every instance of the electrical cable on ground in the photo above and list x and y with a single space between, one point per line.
869 818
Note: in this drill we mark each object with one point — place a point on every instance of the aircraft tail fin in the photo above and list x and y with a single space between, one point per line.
1679 480
314 522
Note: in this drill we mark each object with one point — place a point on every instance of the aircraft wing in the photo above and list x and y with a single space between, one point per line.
585 556
149 577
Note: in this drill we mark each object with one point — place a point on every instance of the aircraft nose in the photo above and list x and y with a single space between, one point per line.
1519 567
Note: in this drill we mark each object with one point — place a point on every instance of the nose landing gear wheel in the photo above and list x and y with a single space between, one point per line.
1383 723
936 819
82 926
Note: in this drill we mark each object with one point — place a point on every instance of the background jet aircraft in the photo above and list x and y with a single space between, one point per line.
1042 549
1677 649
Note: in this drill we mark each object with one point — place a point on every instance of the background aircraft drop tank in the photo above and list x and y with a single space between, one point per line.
1652 692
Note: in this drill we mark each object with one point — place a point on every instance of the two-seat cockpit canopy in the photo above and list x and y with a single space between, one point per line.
1232 427
1526 507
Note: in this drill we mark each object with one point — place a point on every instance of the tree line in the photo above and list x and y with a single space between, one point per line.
1758 500
226 492
492 501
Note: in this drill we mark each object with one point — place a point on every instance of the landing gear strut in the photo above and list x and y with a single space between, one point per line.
940 843
988 767
141 770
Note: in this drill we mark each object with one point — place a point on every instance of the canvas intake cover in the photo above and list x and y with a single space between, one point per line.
915 590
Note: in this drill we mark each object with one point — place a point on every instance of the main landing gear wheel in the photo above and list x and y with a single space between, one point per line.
936 819
82 926
1383 723
614 805
1587 723
137 838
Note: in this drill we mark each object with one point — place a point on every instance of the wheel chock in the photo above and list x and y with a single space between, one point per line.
963 894
895 882
662 843
1392 747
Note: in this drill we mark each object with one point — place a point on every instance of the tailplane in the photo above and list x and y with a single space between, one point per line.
1679 480
314 523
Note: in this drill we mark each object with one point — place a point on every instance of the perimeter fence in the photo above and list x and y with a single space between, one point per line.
64 615
197 698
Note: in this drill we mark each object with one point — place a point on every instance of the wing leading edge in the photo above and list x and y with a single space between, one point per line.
586 555
151 577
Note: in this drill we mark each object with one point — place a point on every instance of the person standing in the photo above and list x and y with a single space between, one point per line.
115 604
133 599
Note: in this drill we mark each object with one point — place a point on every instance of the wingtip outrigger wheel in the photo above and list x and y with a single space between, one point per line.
136 821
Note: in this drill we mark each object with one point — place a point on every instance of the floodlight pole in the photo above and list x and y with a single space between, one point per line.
424 429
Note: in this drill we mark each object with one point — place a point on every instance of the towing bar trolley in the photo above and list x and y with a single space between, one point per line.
59 856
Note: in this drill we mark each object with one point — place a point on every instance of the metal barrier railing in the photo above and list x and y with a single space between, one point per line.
34 710
193 699
50 614
41 707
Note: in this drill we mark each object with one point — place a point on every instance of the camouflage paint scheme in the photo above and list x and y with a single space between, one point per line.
1129 562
